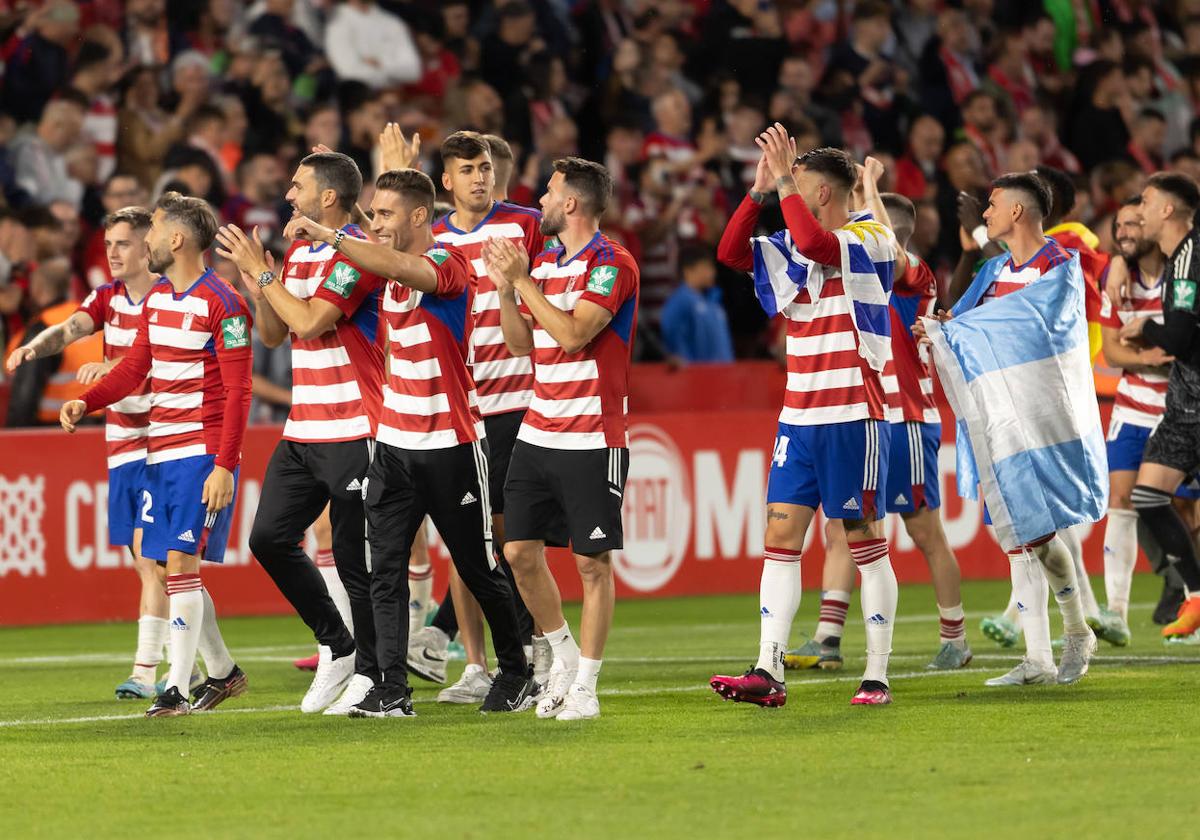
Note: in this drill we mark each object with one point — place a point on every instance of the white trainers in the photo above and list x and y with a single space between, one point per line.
542 659
581 704
330 681
472 687
1026 673
554 698
355 693
1077 652
427 654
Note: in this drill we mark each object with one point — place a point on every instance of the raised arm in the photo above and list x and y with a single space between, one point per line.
411 270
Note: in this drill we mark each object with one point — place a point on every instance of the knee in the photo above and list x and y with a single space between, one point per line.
921 528
784 530
594 569
264 541
521 555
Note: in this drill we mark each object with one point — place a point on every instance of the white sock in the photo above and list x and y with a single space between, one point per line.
1120 558
1071 539
1029 593
1059 569
217 660
564 647
333 583
778 600
152 635
1012 612
185 602
952 625
589 670
879 594
831 620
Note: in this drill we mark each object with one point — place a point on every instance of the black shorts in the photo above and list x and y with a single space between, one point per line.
501 436
1175 443
566 497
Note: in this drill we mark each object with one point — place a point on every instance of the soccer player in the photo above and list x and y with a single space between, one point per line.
1016 208
329 306
1137 411
576 318
1169 201
117 308
913 486
194 342
503 382
430 456
832 446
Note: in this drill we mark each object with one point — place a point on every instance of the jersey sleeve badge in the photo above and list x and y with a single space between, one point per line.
601 279
234 332
438 255
342 280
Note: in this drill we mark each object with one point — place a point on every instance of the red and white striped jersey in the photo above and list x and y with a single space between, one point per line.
580 400
337 376
429 398
127 422
907 379
1013 278
1141 396
196 347
504 382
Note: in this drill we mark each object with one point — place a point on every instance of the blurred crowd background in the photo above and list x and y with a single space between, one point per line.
106 103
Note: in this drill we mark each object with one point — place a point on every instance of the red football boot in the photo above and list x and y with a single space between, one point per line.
755 686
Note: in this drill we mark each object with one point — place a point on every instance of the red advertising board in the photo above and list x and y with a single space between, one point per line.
694 519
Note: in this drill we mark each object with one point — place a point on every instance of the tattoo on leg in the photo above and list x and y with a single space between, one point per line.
778 514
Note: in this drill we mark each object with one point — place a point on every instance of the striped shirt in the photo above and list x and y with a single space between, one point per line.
1141 395
580 400
1013 278
429 398
504 382
336 376
907 380
127 422
196 347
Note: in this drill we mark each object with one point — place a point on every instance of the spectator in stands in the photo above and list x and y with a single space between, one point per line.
146 131
963 171
474 105
796 83
1097 131
257 199
694 325
38 63
1145 149
879 83
39 155
1010 77
274 28
916 170
981 119
95 76
671 138
1039 126
367 44
363 119
269 116
949 67
506 53
148 40
323 127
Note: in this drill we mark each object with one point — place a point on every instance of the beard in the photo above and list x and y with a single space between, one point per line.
553 223
158 262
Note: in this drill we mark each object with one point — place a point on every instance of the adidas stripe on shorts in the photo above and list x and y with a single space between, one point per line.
838 467
175 519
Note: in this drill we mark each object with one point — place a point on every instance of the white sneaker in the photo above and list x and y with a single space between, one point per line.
554 698
1077 652
580 704
330 681
542 660
355 693
1026 673
427 654
472 687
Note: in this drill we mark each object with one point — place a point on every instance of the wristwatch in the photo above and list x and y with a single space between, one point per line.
265 279
337 240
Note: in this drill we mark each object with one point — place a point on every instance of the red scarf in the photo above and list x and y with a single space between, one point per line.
959 74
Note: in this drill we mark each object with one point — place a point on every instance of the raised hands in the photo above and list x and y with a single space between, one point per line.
395 151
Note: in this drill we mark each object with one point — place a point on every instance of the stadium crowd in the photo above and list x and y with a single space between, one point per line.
107 104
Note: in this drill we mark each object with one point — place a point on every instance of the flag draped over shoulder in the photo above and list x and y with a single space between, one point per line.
868 254
1018 375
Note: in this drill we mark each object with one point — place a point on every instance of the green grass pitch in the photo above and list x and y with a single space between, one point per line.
1105 758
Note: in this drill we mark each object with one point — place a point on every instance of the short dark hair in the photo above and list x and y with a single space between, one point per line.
502 159
203 114
1030 184
978 93
412 184
1149 113
832 163
1180 187
91 53
902 213
589 180
195 214
867 9
693 254
338 172
1062 190
464 145
1132 201
137 218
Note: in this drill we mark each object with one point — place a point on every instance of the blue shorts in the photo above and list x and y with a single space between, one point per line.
837 467
127 501
1126 443
912 473
176 520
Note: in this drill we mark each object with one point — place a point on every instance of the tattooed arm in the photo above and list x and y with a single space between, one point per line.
53 340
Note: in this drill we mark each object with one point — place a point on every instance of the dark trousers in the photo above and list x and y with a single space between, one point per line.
450 486
301 478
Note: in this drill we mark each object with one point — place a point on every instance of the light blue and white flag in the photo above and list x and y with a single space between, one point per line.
1018 374
868 250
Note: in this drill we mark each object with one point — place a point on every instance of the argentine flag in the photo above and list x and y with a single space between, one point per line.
868 249
1018 374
